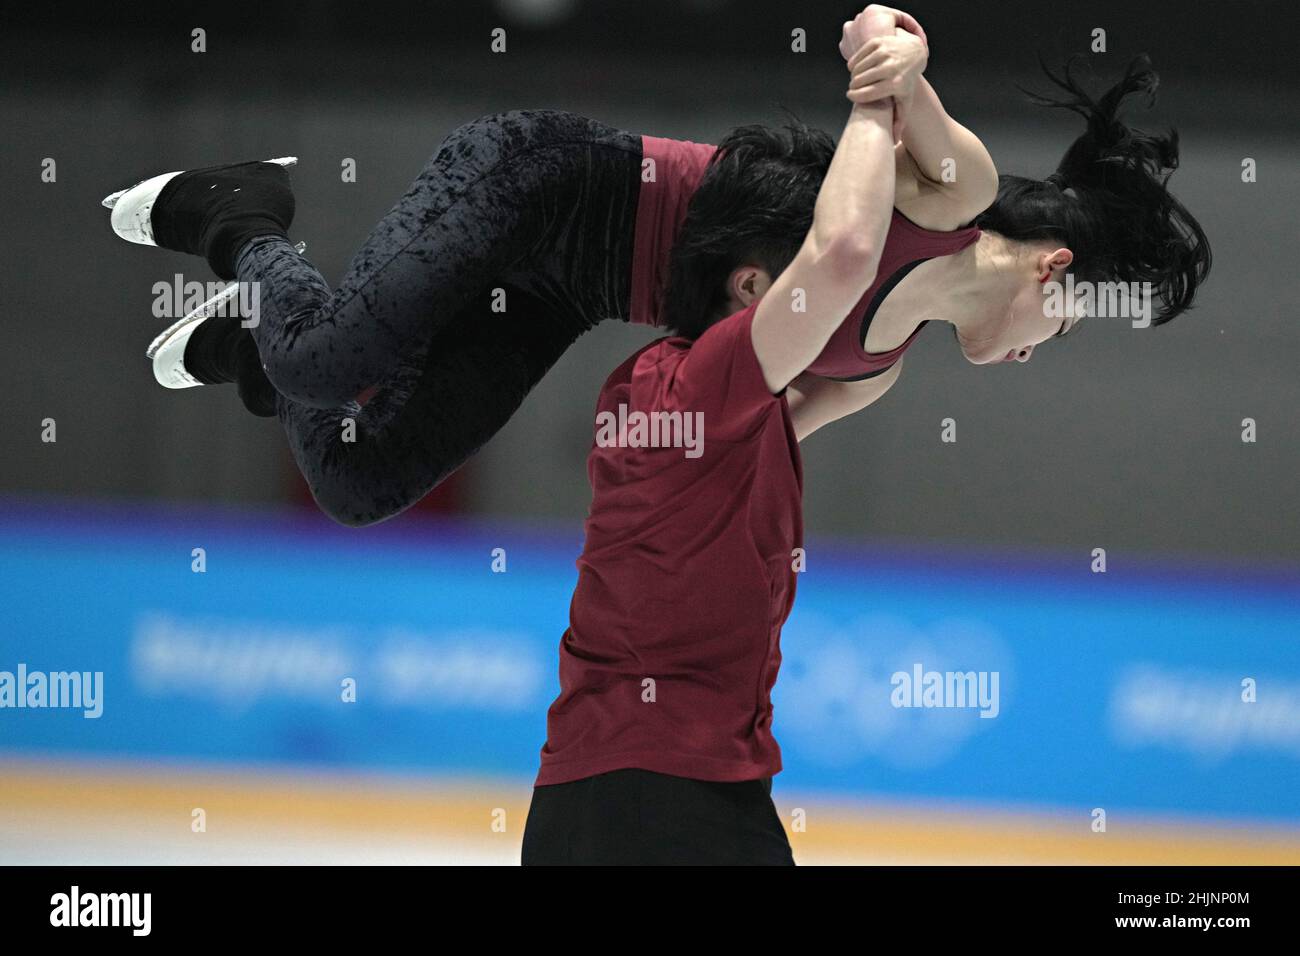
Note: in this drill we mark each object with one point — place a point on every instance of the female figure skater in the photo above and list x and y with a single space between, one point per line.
575 221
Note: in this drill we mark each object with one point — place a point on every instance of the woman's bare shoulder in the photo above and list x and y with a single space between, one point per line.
928 204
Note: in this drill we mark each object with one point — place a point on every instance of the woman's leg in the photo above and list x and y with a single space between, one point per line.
454 390
478 210
444 402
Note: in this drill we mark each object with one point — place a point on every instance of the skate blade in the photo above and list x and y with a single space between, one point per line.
204 311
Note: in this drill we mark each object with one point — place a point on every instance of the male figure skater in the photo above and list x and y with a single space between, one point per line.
659 747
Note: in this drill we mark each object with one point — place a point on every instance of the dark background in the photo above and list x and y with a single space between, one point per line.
1115 437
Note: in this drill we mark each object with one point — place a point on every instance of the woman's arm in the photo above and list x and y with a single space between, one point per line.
954 174
946 176
815 401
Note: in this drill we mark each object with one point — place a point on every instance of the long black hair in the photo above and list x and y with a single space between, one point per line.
1108 201
754 205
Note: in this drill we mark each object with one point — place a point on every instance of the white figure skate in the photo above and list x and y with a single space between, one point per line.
167 350
132 206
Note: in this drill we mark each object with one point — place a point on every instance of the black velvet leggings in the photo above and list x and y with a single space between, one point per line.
515 239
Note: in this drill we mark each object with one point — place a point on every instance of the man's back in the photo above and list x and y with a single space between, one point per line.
686 576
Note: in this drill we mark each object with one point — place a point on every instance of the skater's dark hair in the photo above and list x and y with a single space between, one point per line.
1108 201
754 206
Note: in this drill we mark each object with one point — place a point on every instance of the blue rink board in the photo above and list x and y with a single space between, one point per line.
1120 690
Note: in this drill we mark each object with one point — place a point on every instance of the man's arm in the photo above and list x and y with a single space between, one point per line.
837 262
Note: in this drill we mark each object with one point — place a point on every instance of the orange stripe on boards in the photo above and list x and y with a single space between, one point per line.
465 807
341 802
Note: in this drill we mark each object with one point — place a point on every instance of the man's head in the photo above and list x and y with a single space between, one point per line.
745 222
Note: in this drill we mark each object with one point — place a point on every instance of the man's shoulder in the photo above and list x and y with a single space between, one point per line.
660 358
650 355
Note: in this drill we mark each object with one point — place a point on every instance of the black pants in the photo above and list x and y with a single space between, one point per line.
515 239
636 817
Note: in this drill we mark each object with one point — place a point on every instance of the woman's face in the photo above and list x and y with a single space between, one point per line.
1030 316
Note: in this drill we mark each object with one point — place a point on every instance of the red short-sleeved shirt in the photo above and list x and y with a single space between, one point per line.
686 575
